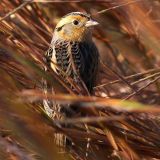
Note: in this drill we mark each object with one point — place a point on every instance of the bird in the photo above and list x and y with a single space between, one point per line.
72 52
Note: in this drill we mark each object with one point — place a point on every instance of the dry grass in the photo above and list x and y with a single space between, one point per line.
119 121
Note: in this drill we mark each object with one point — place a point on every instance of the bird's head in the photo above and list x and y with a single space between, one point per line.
75 26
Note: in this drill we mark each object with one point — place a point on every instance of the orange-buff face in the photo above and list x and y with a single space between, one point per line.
74 27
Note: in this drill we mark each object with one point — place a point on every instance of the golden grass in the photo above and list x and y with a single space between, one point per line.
106 125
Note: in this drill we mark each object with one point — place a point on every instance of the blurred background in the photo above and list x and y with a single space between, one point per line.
128 39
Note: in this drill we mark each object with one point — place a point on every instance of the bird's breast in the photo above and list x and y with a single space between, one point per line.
68 58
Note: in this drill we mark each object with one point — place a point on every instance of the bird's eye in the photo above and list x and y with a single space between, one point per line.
75 22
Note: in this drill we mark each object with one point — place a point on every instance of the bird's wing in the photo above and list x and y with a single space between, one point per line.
65 58
77 60
91 56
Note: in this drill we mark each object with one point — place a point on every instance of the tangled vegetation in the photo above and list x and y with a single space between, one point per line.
122 116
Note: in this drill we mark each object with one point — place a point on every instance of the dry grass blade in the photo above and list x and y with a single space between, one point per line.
153 72
118 75
143 87
101 126
118 6
14 149
89 120
91 102
16 9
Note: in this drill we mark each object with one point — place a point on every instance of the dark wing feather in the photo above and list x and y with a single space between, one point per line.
91 56
78 60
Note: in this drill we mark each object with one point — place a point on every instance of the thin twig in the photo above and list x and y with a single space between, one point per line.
119 76
146 78
157 70
118 6
142 88
16 9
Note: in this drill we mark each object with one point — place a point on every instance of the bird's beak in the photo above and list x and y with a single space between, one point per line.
91 23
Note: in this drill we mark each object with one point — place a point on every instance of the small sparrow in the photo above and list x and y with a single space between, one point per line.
72 52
